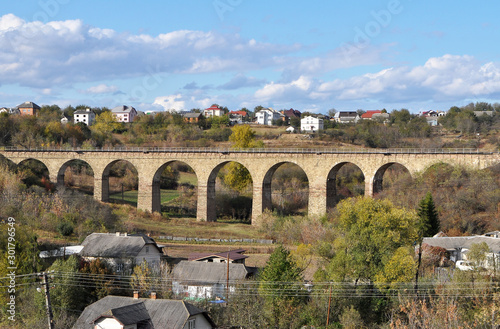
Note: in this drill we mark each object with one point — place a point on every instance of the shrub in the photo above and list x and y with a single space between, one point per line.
65 228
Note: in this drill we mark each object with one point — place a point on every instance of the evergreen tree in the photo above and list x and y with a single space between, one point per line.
429 219
428 225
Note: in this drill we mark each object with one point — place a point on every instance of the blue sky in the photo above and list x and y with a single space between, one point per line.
179 55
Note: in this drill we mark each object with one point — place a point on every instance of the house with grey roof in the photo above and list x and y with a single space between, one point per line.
457 247
122 251
142 313
124 113
191 117
231 256
346 117
86 116
199 279
28 108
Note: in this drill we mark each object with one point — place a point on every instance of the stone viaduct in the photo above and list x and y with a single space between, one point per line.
320 166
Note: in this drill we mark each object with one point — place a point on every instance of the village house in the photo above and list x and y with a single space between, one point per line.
28 108
346 117
213 111
86 116
267 116
231 256
375 115
65 119
191 117
122 251
124 113
457 247
117 312
311 124
238 117
208 280
291 113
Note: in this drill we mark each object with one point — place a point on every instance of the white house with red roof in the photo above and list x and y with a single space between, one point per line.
213 111
374 114
238 117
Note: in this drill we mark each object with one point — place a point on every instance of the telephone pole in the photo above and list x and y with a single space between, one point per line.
50 316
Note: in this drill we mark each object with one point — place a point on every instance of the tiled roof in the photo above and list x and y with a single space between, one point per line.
163 313
112 245
231 254
203 272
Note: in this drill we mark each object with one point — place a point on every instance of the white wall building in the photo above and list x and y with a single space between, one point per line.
267 116
213 111
311 124
87 117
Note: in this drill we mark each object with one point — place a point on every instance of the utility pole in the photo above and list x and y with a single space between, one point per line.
227 280
50 316
329 303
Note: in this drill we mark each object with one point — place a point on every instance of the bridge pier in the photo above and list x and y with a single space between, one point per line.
317 200
369 191
206 202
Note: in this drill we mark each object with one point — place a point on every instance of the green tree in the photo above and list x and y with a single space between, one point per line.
478 254
243 137
368 234
428 225
237 176
105 124
280 286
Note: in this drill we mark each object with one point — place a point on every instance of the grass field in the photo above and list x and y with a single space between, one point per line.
130 197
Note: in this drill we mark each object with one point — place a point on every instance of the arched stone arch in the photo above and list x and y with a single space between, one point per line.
266 183
64 166
207 193
47 171
331 182
105 178
377 181
156 191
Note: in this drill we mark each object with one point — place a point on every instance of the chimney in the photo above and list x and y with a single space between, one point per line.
136 294
153 295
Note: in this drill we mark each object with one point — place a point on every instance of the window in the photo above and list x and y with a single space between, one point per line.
147 249
192 324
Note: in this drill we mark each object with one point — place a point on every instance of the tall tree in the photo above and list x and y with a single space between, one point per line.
280 286
238 177
368 234
428 225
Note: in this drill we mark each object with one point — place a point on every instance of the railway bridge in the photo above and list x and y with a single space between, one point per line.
320 165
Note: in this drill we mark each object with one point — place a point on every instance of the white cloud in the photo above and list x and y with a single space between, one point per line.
40 54
449 77
171 102
10 21
101 89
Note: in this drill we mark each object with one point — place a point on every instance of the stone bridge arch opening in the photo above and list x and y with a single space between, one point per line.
120 182
76 174
35 173
285 189
345 180
175 189
389 176
229 192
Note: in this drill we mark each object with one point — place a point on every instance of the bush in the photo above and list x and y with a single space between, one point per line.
65 228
